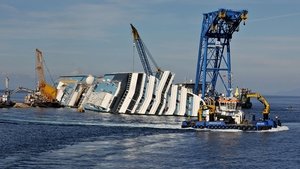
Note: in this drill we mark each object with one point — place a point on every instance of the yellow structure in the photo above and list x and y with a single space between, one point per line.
260 98
47 91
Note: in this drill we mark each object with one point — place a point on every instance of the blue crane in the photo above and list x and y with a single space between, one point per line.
214 50
144 53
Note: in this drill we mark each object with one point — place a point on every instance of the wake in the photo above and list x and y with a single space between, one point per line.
278 129
173 125
176 125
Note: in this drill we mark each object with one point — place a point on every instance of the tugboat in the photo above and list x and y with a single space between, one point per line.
226 113
5 101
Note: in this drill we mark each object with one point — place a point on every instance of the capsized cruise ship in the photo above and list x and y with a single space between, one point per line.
148 93
129 93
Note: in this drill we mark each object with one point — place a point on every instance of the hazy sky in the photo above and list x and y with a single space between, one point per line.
94 37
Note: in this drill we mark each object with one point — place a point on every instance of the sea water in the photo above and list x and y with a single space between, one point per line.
65 138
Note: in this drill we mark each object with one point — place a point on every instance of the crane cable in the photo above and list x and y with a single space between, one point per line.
133 54
51 78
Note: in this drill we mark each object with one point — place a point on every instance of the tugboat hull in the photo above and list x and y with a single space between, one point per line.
258 125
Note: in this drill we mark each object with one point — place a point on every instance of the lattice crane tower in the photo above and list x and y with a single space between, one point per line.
214 50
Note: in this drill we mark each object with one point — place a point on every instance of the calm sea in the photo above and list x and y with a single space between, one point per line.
64 138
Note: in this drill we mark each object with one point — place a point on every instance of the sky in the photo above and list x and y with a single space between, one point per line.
94 37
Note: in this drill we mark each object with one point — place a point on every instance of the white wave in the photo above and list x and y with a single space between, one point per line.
143 125
226 130
279 128
218 130
106 124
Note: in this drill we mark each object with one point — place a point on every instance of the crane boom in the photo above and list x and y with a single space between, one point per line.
39 67
144 53
260 98
47 90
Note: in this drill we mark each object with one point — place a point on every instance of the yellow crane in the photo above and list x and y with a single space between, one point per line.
48 92
260 98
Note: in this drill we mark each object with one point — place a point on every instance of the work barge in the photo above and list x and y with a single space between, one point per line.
153 91
223 111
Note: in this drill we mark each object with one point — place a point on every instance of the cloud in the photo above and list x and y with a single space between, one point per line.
75 21
7 8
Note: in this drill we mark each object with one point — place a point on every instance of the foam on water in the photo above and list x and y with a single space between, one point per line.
279 128
64 138
106 124
282 128
137 125
224 130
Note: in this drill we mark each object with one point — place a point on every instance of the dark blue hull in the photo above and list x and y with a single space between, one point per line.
257 125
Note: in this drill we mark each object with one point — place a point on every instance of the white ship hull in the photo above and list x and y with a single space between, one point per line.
131 93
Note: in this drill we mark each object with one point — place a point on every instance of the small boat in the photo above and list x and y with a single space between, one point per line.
5 101
6 104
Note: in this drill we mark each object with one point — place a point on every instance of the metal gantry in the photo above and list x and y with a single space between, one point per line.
214 60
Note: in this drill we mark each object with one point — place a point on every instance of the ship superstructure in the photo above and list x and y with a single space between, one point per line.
130 93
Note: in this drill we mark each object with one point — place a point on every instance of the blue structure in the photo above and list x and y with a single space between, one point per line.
214 50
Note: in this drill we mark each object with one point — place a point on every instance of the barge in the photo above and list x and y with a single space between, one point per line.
255 125
226 113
